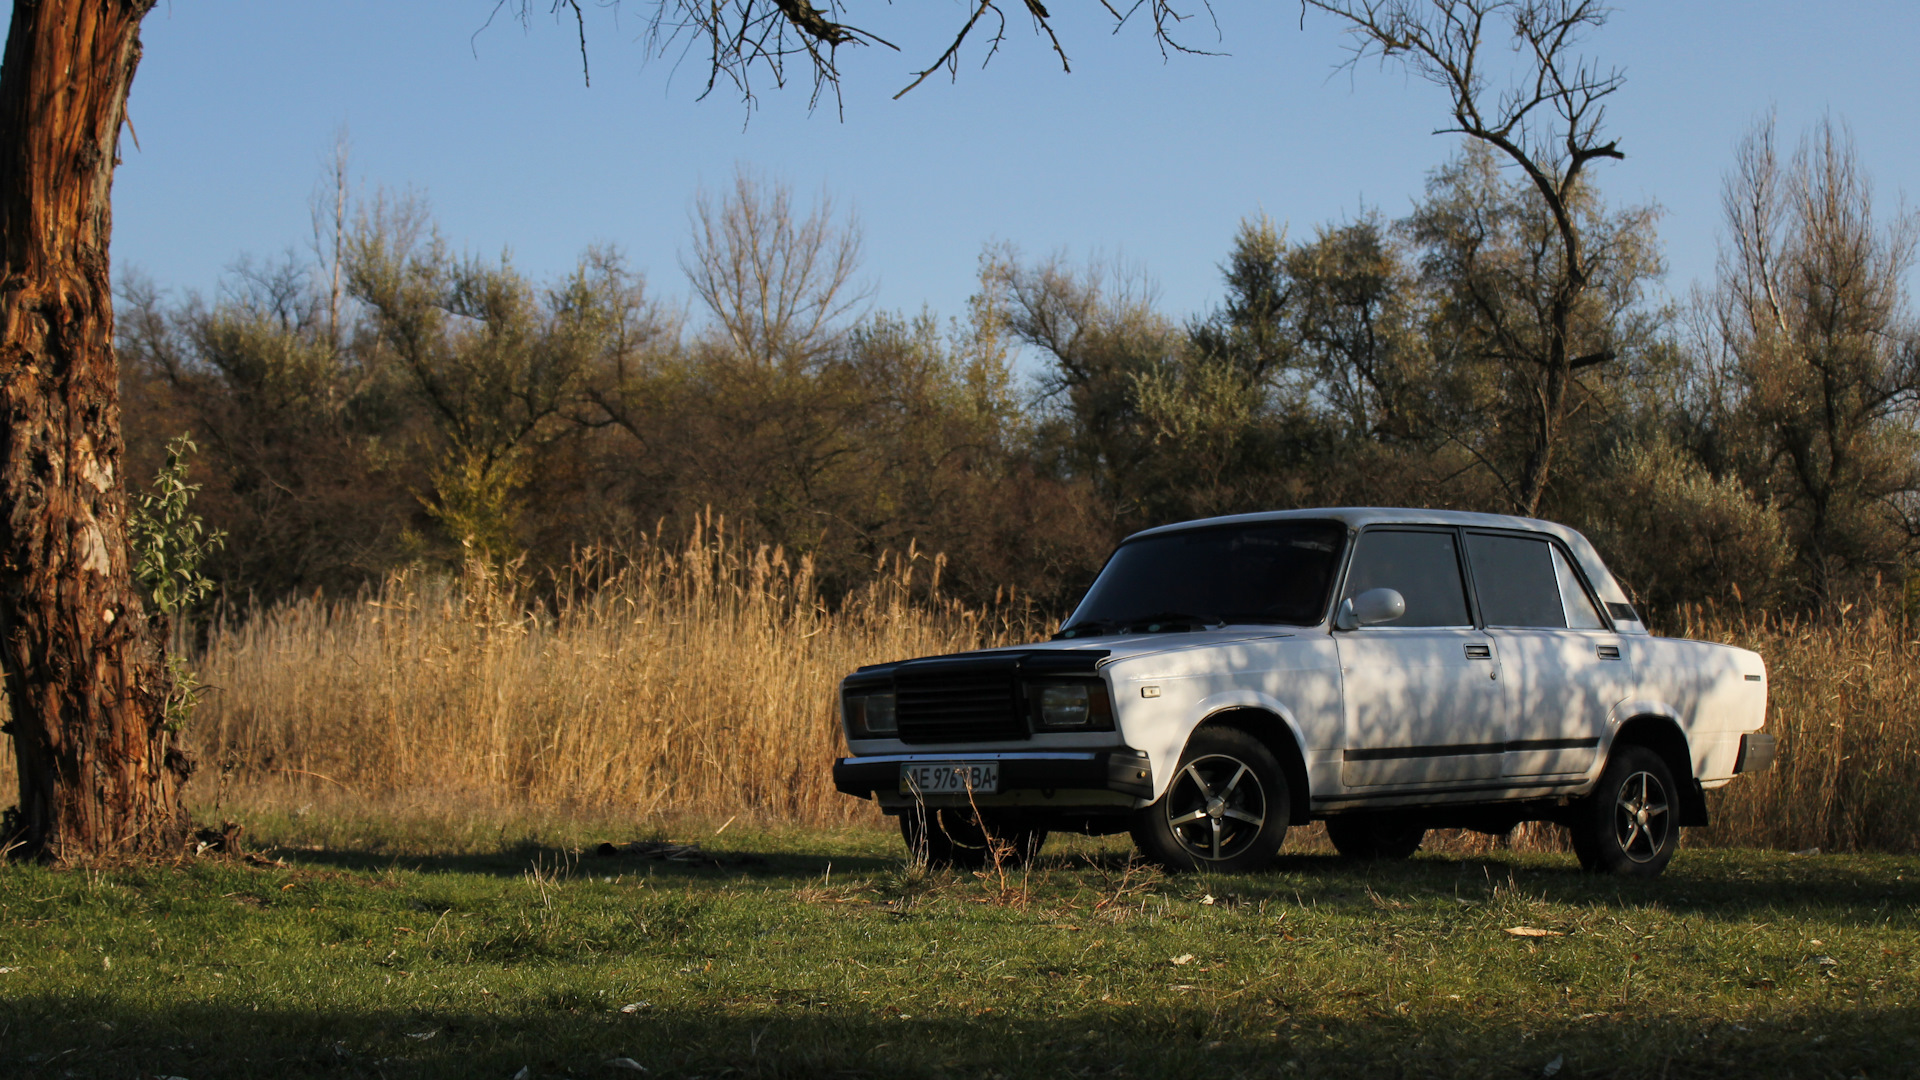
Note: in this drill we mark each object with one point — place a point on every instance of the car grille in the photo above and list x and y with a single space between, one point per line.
958 706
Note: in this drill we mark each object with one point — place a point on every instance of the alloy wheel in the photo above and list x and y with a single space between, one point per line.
1216 807
1641 817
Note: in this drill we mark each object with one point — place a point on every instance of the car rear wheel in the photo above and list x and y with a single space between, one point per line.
959 838
1224 810
1630 825
1374 836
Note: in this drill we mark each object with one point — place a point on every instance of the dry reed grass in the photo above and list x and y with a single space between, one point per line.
669 681
699 680
1844 703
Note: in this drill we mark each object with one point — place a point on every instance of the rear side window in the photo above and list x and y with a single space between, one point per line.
1424 567
1514 578
1580 612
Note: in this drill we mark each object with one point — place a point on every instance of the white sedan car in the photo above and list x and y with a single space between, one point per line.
1387 671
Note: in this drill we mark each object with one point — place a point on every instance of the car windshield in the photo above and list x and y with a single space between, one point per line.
1259 572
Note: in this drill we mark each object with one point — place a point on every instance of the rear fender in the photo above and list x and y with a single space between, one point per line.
1659 731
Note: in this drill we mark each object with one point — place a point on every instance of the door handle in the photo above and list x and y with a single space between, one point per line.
1479 652
1607 652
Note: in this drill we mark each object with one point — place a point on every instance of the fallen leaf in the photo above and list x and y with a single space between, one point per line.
8 970
624 1063
1826 961
1182 959
525 1073
1532 931
636 1006
1554 1065
1207 900
423 1035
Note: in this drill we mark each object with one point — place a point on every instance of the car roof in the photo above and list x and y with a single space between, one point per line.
1359 517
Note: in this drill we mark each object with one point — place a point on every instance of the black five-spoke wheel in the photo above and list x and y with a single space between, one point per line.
1630 824
1225 808
1641 819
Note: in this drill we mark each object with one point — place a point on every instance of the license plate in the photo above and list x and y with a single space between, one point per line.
950 778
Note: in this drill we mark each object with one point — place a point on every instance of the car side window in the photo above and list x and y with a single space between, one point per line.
1514 578
1580 612
1424 567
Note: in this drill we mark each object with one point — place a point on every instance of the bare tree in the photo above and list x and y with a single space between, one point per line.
780 285
328 209
748 41
1547 122
1812 336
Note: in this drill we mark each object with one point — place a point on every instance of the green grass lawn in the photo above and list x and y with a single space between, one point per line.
381 953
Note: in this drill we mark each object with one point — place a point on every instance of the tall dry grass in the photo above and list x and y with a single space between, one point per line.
697 679
1844 703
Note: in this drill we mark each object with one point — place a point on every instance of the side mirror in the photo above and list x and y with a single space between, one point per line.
1370 607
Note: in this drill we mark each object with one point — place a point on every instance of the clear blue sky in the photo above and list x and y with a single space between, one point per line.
236 104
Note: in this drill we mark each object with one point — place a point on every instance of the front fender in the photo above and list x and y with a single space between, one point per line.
1164 743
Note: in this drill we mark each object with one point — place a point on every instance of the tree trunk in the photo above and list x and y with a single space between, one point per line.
83 670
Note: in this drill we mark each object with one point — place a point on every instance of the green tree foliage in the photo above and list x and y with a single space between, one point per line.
171 544
1493 261
1760 453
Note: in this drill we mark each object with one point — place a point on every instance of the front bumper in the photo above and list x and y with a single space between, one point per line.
1123 771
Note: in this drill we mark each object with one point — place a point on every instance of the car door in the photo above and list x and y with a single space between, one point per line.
1421 693
1563 668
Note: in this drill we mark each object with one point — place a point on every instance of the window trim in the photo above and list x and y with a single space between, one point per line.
1343 557
1579 578
1460 559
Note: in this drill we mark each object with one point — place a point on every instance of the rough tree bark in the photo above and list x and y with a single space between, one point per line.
99 773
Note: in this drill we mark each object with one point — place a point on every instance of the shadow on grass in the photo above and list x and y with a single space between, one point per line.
562 1035
1704 882
519 859
1719 884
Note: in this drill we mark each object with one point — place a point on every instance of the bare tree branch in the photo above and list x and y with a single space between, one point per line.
747 41
1546 121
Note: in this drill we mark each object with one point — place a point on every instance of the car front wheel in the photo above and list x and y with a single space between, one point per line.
1224 810
1630 825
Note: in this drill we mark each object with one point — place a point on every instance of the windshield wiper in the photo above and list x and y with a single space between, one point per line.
1158 622
1168 620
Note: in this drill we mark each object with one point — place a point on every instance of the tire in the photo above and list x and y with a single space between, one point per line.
957 838
1630 825
1374 836
1225 810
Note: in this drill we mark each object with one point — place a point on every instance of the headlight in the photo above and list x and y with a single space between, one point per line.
1072 706
868 714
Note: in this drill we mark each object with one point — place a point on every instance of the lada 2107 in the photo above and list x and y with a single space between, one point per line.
1386 671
